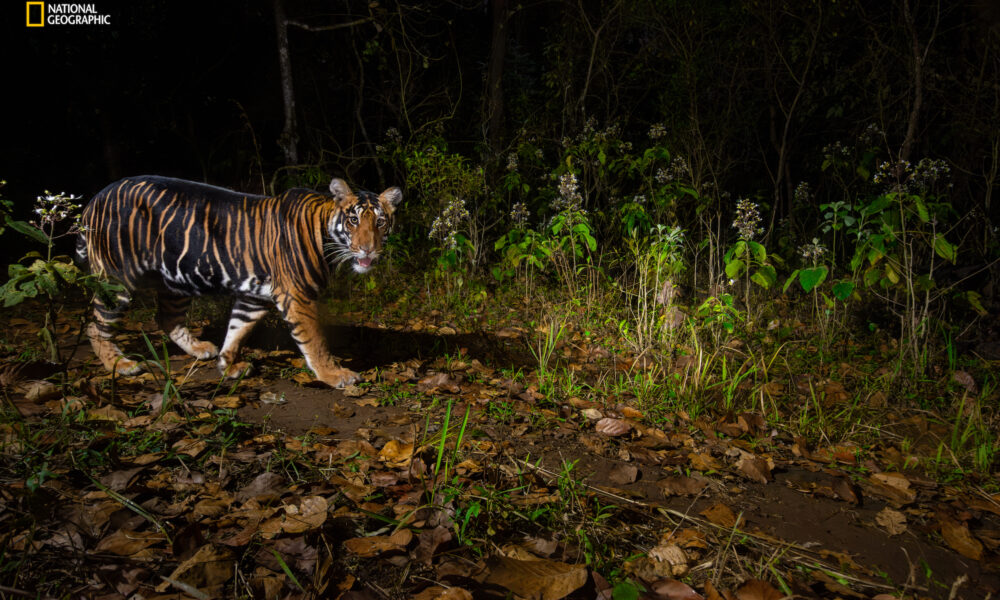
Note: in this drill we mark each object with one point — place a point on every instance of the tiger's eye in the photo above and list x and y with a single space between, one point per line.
380 222
353 220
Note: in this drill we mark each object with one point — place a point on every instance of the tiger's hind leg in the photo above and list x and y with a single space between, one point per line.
171 311
245 314
100 332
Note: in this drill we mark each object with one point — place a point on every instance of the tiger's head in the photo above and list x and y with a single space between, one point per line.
360 224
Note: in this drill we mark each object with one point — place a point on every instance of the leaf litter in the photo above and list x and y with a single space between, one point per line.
443 477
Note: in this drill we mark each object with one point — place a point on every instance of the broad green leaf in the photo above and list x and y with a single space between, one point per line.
789 281
976 301
758 250
874 255
925 283
811 277
871 277
891 274
29 230
734 268
944 248
47 283
12 297
625 590
877 205
602 157
921 209
842 290
765 277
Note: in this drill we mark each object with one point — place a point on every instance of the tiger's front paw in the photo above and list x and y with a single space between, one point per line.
339 378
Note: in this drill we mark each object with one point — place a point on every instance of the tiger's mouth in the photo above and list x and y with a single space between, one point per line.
362 264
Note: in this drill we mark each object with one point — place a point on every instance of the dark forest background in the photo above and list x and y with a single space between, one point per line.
491 102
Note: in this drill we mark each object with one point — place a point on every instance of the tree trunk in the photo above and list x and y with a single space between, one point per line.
906 149
494 78
289 136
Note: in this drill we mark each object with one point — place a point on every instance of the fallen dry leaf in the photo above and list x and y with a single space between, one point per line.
303 378
428 542
190 447
374 545
267 484
671 589
894 487
438 382
755 589
623 474
228 402
541 579
721 515
207 568
119 480
308 515
40 391
844 490
672 555
355 491
703 461
959 538
681 485
106 413
965 380
686 538
754 468
439 593
711 593
124 542
353 391
396 454
612 427
891 520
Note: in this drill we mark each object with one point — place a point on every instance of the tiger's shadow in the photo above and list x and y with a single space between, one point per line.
361 348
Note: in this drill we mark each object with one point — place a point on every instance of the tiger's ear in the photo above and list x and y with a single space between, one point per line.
340 190
393 196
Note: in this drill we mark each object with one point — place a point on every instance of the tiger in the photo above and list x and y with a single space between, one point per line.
183 239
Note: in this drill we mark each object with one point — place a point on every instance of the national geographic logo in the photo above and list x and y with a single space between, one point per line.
39 14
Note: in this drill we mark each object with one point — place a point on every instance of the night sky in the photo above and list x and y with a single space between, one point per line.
166 88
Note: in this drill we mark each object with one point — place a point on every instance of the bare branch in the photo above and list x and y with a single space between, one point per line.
309 27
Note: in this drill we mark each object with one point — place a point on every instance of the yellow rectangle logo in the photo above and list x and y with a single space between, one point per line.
38 8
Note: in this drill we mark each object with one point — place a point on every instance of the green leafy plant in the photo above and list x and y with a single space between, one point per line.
651 289
747 258
50 275
901 240
719 310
